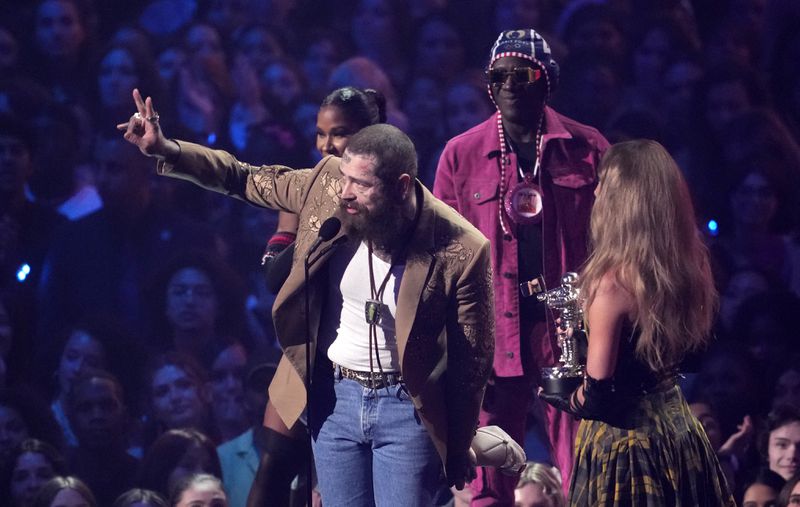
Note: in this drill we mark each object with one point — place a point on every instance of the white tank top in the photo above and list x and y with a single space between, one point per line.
344 326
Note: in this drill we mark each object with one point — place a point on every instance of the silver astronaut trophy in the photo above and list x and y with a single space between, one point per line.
564 299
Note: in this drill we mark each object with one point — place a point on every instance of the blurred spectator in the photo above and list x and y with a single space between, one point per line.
121 68
196 304
590 88
178 394
377 30
656 44
175 456
9 52
65 491
81 353
539 486
282 87
32 464
63 35
594 28
363 73
790 494
258 44
424 107
727 380
240 457
61 178
99 263
169 63
23 415
731 452
733 42
787 387
227 16
26 227
98 415
762 328
439 52
226 387
466 103
763 490
138 497
199 490
780 441
324 52
736 287
205 89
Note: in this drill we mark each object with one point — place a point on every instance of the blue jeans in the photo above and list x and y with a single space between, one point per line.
370 449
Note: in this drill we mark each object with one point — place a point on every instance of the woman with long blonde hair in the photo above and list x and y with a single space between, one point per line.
649 298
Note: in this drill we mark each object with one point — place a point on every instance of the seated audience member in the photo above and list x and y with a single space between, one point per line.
81 352
178 397
787 387
138 497
176 455
226 386
65 491
195 303
240 457
23 414
201 490
98 264
763 490
32 464
790 494
539 486
98 415
26 227
728 381
780 442
732 453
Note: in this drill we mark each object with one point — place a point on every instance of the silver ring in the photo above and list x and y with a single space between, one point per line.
137 116
153 119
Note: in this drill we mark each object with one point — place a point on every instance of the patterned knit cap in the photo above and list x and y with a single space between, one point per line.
529 45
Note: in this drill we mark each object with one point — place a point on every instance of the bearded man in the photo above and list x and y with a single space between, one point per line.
400 311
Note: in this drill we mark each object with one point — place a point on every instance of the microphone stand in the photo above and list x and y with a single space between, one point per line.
309 462
307 263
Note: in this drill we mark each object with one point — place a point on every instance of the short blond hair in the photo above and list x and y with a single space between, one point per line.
548 477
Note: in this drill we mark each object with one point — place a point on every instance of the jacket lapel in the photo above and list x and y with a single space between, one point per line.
417 270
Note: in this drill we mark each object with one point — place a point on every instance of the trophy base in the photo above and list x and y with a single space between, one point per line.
561 380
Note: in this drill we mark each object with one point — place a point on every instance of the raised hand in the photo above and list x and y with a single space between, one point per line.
143 130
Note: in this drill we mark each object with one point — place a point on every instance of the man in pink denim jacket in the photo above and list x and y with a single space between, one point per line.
525 178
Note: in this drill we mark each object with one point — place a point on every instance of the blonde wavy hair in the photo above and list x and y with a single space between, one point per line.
643 232
548 477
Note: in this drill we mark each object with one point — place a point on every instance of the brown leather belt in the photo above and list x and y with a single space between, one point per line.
370 380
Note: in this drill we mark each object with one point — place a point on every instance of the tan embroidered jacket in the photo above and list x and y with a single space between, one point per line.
444 317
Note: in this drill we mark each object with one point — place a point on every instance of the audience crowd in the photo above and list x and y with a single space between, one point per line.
136 340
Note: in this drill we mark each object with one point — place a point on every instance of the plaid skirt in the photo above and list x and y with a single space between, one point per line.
655 454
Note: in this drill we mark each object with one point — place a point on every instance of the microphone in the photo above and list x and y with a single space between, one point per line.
327 231
339 241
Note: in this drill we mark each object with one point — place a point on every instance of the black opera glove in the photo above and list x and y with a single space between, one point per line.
599 400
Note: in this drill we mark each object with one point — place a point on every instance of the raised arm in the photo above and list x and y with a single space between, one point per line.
276 187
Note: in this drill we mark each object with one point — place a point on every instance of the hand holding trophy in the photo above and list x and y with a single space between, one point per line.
568 373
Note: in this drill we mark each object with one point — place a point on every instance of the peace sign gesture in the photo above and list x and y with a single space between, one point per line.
143 130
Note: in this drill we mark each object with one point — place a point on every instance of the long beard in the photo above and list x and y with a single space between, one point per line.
385 225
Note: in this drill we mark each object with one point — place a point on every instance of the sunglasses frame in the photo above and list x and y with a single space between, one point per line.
529 75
